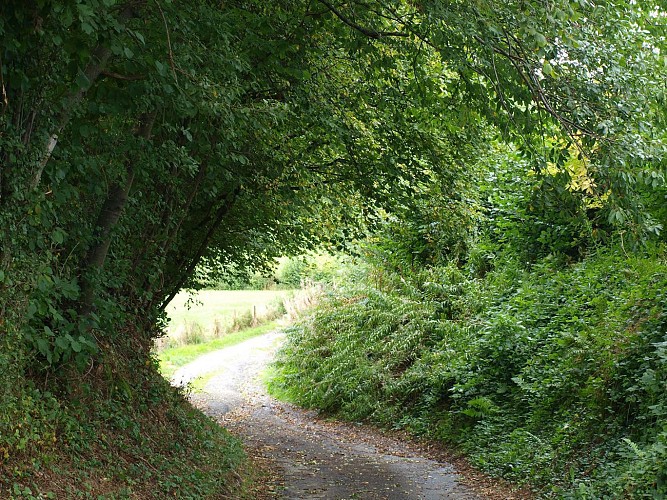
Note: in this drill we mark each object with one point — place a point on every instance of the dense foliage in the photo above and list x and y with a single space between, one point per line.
141 140
520 317
509 329
554 375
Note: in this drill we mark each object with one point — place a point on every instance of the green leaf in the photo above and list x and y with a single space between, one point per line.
76 346
547 69
63 343
58 236
82 81
68 18
87 27
161 68
43 346
139 36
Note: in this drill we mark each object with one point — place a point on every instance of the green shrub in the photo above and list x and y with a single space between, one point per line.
554 375
291 272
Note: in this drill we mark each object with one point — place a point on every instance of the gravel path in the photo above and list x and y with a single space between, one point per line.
312 458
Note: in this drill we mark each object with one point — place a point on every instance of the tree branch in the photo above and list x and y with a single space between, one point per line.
171 52
369 32
107 220
222 212
118 76
93 70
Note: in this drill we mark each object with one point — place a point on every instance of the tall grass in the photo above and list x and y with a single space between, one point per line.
203 316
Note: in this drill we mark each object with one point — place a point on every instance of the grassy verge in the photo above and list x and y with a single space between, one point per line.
123 432
173 358
142 441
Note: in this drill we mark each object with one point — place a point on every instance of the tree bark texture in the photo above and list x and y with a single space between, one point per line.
107 220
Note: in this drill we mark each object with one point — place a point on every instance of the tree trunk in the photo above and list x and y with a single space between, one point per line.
106 221
93 70
187 271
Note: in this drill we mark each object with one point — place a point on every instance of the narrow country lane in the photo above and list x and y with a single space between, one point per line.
312 458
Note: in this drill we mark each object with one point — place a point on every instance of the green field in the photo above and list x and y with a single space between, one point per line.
205 306
207 320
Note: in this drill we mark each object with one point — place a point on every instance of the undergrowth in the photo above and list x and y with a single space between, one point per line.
553 375
132 442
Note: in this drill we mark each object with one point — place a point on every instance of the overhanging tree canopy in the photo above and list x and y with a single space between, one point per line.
140 137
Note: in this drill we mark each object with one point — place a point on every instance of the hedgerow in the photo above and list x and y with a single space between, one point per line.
553 374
